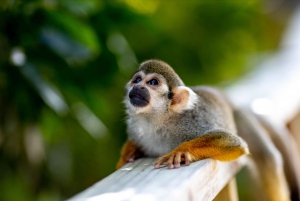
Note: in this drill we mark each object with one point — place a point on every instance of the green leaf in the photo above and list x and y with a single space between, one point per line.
75 28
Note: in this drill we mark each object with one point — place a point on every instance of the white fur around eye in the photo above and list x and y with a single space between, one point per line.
158 103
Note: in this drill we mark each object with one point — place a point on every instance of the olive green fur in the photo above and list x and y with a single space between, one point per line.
162 68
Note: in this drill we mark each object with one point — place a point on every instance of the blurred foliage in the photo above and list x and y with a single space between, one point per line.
63 66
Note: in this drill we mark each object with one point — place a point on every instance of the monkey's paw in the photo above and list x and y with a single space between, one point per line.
128 158
173 159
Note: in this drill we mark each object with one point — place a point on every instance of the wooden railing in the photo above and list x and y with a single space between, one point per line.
139 181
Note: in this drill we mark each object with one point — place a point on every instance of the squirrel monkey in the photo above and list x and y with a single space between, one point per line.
182 124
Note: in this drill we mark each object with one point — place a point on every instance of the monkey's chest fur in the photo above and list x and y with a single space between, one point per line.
157 137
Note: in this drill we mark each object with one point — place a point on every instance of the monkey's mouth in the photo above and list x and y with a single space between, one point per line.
139 97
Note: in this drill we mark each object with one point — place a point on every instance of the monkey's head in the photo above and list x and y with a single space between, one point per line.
156 89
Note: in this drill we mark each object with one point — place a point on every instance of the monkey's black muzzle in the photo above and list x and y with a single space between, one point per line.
139 96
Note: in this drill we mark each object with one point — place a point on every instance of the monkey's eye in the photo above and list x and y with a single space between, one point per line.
153 82
137 80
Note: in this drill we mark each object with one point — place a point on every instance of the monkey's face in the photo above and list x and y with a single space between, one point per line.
157 89
147 93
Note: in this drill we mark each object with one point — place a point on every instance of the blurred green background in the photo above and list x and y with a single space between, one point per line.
64 65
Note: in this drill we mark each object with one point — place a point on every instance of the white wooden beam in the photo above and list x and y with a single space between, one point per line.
139 181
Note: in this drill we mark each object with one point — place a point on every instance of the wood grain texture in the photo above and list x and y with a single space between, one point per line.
202 180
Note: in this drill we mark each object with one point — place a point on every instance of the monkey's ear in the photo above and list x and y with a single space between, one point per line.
183 99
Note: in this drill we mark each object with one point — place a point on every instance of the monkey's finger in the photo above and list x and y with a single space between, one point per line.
170 162
160 161
187 158
131 157
177 160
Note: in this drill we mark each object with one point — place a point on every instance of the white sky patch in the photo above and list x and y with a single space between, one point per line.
275 78
262 106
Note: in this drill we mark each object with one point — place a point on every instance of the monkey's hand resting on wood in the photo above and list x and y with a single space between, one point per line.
176 123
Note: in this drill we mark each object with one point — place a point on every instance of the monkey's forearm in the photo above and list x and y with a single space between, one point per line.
216 145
